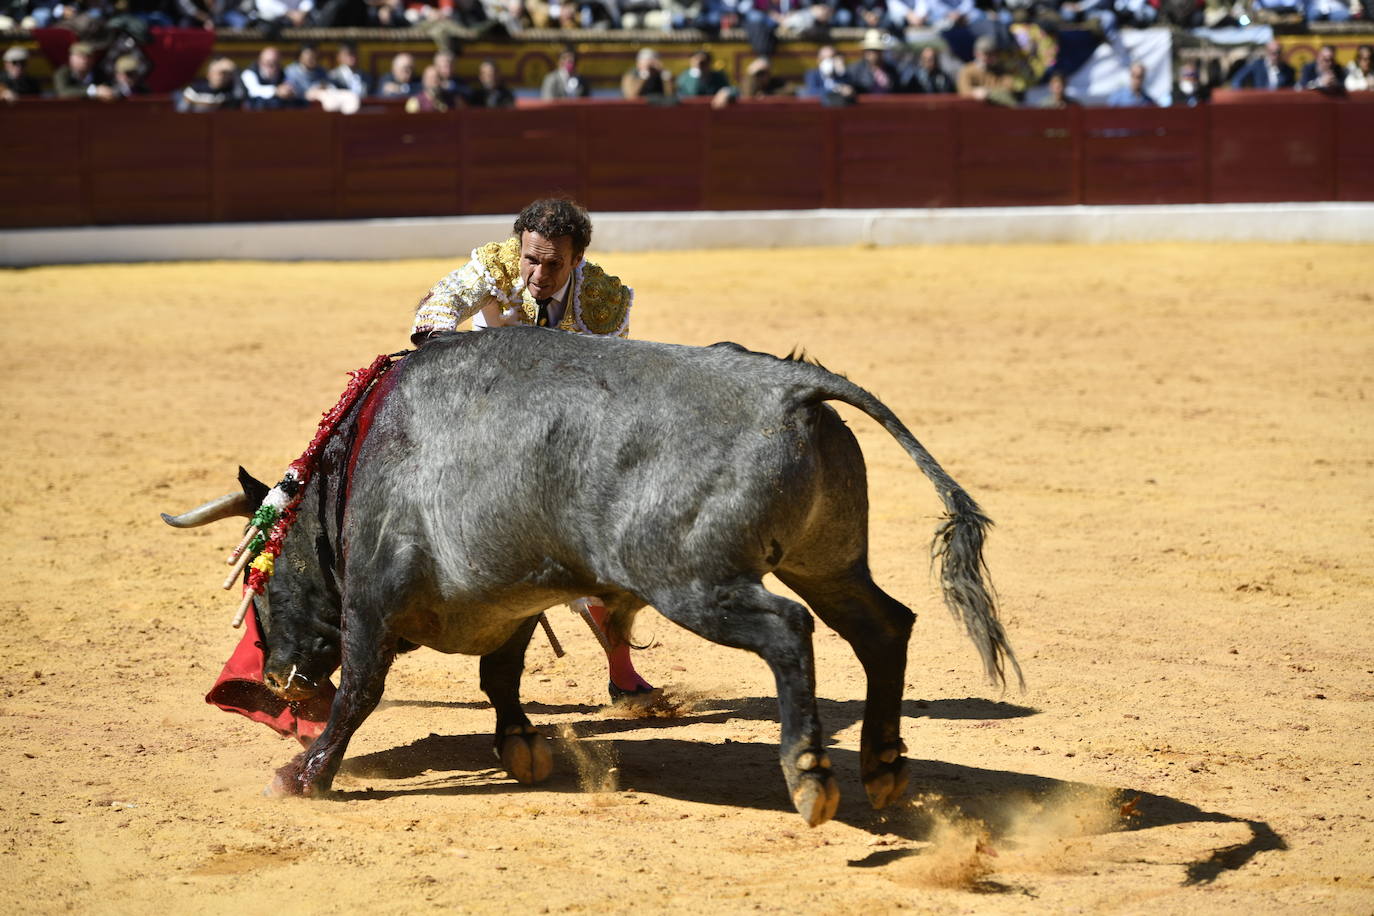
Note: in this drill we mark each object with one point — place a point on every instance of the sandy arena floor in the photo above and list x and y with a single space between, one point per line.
1176 443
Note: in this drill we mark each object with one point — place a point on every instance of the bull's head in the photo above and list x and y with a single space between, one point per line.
300 618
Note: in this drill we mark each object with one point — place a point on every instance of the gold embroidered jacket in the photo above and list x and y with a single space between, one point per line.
599 303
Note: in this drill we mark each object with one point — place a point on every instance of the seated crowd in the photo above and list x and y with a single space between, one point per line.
998 74
763 19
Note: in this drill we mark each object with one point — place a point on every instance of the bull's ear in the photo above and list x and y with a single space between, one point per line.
254 489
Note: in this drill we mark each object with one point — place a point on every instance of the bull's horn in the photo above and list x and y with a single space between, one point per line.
227 506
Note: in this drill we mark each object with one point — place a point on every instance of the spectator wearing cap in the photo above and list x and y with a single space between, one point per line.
76 78
220 90
873 75
647 78
128 77
16 82
927 75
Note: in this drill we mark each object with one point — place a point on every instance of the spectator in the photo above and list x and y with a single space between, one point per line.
1360 76
1269 71
647 78
1059 95
448 81
564 82
873 74
388 14
923 15
759 81
265 85
282 14
1100 14
703 79
76 79
128 78
983 78
872 14
491 90
1323 74
829 79
642 14
346 74
1332 10
1189 91
1132 95
16 82
220 90
432 95
470 14
400 83
305 73
927 75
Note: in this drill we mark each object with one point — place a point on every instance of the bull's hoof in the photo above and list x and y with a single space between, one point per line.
526 755
885 777
815 794
290 781
817 797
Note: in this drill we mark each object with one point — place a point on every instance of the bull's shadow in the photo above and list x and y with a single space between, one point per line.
746 775
836 714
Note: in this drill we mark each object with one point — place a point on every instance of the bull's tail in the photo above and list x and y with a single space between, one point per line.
958 542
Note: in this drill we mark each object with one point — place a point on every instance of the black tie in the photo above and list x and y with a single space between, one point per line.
543 320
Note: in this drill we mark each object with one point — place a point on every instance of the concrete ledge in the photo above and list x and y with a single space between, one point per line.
448 237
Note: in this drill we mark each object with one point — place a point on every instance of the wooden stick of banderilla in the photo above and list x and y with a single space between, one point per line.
553 640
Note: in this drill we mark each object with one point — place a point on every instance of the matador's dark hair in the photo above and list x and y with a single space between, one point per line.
555 217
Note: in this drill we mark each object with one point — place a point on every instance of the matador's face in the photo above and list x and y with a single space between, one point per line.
546 264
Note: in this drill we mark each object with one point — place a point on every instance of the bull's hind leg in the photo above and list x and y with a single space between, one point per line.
878 627
745 615
525 754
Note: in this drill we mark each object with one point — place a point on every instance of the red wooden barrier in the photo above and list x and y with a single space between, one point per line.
78 163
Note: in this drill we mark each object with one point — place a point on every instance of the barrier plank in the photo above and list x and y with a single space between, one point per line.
399 164
162 176
42 167
643 157
897 157
1355 148
1144 155
1017 158
1263 153
766 158
511 156
274 165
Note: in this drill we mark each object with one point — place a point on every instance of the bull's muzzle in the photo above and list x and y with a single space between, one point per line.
290 683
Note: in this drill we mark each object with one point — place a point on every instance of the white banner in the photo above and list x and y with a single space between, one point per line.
1109 67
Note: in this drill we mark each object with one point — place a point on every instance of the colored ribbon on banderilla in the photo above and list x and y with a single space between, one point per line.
262 542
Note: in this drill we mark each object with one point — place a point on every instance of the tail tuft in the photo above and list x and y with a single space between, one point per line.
968 592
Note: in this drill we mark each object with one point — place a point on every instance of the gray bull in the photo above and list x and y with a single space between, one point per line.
515 469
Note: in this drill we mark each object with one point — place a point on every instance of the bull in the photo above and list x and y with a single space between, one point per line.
515 469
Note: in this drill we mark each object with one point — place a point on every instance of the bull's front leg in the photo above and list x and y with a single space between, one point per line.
368 650
525 754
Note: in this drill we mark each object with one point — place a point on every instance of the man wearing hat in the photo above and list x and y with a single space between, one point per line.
76 79
16 82
873 74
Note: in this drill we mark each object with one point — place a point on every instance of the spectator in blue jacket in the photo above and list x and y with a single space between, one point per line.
1268 71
